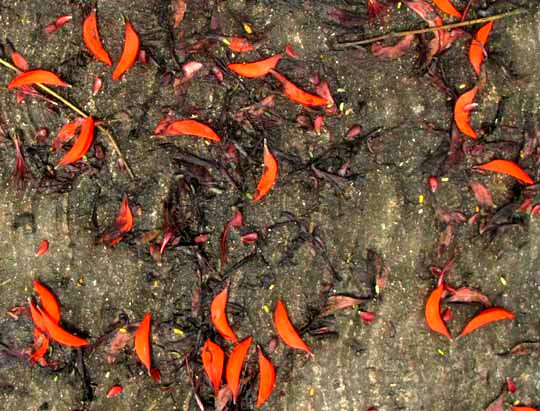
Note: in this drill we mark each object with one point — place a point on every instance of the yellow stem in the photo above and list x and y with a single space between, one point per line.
346 44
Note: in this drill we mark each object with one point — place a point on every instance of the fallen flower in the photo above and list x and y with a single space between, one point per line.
37 76
374 8
129 53
477 50
48 301
122 224
447 7
367 317
506 167
114 391
81 145
17 58
290 51
43 247
392 52
238 44
318 123
218 316
433 183
189 127
66 133
286 330
118 343
143 347
510 385
213 359
432 312
296 94
57 333
482 194
461 114
91 39
21 169
267 378
98 83
269 176
259 68
339 302
190 69
468 295
57 24
485 317
235 363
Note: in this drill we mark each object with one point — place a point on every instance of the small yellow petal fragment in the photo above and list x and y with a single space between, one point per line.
399 5
247 28
122 330
266 309
503 281
444 179
377 289
178 331
271 287
441 352
312 392
421 199
226 41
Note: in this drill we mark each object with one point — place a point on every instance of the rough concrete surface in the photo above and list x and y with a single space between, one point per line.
343 216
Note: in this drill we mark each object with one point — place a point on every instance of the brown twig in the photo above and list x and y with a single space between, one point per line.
356 43
69 104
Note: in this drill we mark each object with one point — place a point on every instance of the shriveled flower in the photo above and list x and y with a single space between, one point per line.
374 8
21 168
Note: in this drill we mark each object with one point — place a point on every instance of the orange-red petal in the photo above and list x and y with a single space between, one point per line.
259 68
48 301
476 51
124 220
130 52
37 76
218 315
447 7
235 363
191 128
239 44
269 175
296 94
461 115
286 330
58 334
142 342
507 167
267 378
81 145
43 247
485 317
213 359
432 312
66 133
91 39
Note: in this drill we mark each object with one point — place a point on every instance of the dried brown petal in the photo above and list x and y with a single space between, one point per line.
340 302
469 295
